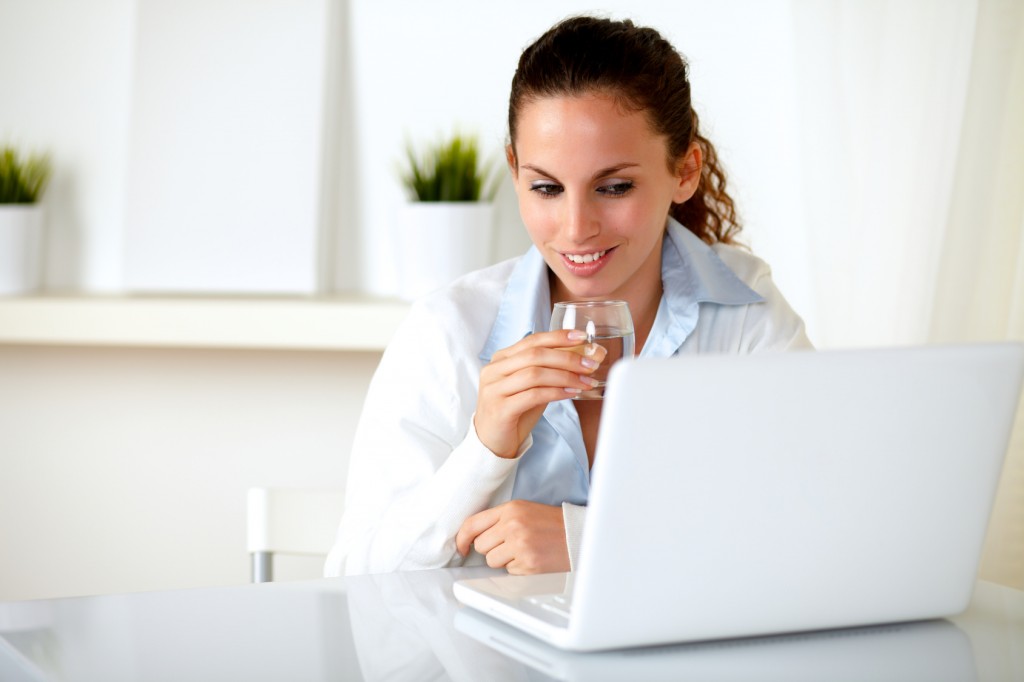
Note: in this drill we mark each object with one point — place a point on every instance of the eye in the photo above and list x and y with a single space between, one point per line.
546 189
616 189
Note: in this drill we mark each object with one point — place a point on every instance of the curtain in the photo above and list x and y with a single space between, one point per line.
912 188
979 294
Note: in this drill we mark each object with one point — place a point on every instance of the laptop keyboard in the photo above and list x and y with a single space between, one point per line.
559 604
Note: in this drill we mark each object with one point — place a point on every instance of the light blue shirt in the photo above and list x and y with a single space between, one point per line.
555 469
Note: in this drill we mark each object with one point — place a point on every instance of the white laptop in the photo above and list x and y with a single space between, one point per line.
736 496
933 650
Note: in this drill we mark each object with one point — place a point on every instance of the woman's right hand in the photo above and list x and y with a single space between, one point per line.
522 379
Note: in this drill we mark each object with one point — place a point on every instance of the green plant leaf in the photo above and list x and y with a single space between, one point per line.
22 181
449 170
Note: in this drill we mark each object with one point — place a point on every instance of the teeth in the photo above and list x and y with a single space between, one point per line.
588 258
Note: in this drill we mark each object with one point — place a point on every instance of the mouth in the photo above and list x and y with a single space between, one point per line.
586 263
581 258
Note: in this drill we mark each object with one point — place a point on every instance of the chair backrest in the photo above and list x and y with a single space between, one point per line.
290 521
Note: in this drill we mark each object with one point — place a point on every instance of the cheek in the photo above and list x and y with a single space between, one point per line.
624 213
627 217
641 223
540 220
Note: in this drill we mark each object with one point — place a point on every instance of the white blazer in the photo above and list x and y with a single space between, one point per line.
418 469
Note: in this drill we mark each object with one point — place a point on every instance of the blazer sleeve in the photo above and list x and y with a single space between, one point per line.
417 468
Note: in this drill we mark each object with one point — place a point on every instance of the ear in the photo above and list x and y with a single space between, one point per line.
510 159
688 168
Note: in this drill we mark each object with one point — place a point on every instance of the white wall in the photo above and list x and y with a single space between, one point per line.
226 147
65 68
126 469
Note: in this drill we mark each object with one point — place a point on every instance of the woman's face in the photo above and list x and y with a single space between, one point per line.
594 192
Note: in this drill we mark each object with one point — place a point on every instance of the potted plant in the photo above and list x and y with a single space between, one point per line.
22 181
445 229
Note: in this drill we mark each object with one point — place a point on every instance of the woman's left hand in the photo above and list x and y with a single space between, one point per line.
521 536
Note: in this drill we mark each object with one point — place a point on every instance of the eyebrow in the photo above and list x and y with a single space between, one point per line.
603 173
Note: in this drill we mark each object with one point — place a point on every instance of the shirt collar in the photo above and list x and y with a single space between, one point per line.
691 273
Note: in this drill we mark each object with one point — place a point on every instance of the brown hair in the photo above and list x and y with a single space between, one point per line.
642 70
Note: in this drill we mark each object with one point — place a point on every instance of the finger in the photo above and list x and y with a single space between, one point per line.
537 377
525 401
472 527
500 556
539 359
488 540
596 351
557 339
515 567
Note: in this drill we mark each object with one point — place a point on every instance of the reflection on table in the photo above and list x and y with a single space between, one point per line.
407 626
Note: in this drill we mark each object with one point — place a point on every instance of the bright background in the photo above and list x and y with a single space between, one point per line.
876 150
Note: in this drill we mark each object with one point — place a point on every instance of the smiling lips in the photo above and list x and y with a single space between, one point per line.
585 258
585 263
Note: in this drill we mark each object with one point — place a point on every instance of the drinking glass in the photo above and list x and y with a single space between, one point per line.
607 323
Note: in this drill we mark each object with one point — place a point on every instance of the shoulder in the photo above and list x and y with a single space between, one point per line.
472 299
771 324
479 289
745 265
436 350
461 314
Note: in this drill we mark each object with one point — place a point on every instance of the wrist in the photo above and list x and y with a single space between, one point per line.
510 452
496 446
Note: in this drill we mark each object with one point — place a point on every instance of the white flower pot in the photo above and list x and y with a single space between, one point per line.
21 243
441 241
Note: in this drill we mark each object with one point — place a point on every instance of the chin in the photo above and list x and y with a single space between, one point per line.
592 291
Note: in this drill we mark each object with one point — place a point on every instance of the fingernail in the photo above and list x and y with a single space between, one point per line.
591 349
588 380
574 391
577 335
588 363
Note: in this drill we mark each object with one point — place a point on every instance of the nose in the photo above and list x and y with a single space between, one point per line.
580 221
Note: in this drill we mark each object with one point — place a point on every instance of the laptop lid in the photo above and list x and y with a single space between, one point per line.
738 496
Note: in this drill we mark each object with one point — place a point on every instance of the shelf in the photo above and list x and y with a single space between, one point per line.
273 323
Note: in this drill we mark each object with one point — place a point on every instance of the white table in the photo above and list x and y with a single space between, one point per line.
406 626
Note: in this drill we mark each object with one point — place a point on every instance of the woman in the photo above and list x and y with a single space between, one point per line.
467 450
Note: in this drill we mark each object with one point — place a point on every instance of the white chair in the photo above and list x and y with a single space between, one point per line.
289 521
